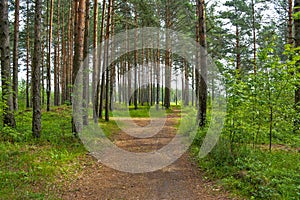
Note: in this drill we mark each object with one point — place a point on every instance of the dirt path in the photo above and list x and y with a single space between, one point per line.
181 181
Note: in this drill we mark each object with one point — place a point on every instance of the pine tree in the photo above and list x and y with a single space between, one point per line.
36 99
8 115
15 55
79 46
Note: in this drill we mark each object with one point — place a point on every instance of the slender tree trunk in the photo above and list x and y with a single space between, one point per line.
86 64
129 77
135 64
15 55
71 33
186 87
8 115
168 67
42 74
36 99
290 22
176 90
64 61
55 73
103 62
49 57
254 36
197 68
108 23
96 74
162 87
113 65
237 48
203 64
27 55
57 66
157 75
193 85
78 49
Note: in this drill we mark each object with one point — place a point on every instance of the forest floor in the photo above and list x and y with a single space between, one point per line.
180 180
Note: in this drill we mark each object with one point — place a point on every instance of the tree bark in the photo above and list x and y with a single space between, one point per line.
237 48
64 61
36 99
157 74
168 67
86 64
8 115
48 91
78 49
108 23
27 55
103 62
203 64
57 66
96 74
186 81
15 55
135 98
290 22
254 36
70 49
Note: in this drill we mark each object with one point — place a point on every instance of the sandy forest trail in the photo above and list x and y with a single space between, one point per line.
180 180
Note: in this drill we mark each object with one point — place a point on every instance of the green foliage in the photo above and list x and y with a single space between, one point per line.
253 173
259 107
10 134
31 169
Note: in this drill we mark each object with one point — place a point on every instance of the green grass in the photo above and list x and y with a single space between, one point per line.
141 112
109 128
254 173
38 168
33 168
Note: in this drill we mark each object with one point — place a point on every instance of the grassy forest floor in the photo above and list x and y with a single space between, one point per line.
58 166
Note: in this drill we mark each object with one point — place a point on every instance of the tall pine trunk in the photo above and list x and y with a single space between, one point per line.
135 98
48 90
64 60
103 62
203 65
290 22
57 66
8 115
85 95
95 88
36 98
15 55
107 35
254 36
168 67
27 55
78 49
